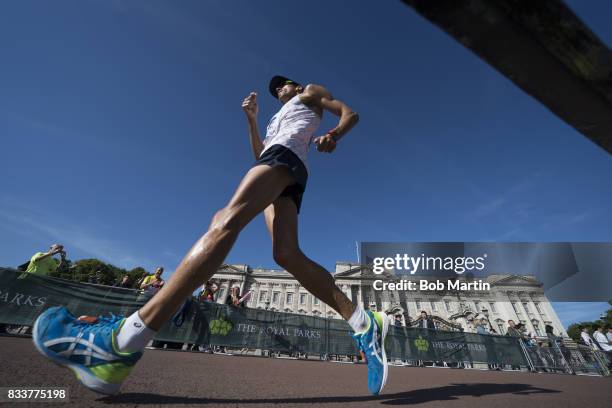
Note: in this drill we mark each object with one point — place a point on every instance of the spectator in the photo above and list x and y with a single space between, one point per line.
525 335
586 338
209 290
234 297
553 339
152 284
481 327
398 320
609 335
513 330
43 263
601 339
425 322
124 282
400 337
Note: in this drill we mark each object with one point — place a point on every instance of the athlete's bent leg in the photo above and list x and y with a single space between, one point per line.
281 220
370 328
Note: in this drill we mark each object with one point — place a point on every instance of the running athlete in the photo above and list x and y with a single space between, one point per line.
102 351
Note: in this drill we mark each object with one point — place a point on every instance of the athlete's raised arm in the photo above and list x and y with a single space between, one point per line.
319 96
249 105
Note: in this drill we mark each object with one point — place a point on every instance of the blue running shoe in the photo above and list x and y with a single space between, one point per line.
86 346
372 343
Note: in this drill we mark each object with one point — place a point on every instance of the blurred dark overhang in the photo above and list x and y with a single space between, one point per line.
543 48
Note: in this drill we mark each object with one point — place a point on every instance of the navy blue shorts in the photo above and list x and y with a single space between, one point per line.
279 155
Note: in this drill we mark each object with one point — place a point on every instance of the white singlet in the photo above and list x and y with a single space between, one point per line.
293 126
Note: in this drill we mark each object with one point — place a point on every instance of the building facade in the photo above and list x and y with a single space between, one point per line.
511 297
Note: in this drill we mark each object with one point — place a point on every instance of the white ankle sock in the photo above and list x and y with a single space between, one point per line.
133 335
359 321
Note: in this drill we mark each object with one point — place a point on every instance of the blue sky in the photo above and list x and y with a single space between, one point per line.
122 132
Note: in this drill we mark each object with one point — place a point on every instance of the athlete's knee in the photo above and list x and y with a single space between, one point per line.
229 218
286 257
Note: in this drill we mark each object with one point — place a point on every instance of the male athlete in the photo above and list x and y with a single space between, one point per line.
102 351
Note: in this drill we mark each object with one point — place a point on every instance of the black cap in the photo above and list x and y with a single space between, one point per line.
277 81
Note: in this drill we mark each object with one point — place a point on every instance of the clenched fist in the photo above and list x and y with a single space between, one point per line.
249 105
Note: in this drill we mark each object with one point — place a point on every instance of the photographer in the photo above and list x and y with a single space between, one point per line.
152 284
43 263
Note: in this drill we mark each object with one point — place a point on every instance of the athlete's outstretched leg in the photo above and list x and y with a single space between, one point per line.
370 328
102 351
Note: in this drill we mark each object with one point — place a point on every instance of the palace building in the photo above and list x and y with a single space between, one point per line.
516 297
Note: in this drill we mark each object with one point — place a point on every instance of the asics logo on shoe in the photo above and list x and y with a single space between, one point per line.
376 350
91 349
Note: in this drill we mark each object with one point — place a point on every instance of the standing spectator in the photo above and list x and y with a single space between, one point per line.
43 263
601 339
609 335
400 337
586 338
481 327
425 323
513 330
124 282
209 290
152 284
234 297
525 335
553 339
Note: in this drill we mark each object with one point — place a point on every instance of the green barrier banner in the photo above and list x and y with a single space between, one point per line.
24 296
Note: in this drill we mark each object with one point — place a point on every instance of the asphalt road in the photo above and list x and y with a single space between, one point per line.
183 379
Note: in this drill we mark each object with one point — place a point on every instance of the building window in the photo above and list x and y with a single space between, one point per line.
275 297
515 308
434 307
526 306
536 327
289 299
538 307
447 305
263 296
302 298
500 327
493 309
418 305
316 301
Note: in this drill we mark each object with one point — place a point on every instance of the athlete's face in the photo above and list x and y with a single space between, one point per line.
286 92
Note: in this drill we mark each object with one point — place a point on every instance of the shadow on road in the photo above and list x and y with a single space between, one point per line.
446 393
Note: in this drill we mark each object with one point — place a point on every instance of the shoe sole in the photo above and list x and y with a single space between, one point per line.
84 376
385 329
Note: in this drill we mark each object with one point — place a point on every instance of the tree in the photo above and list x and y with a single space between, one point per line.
96 271
136 275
